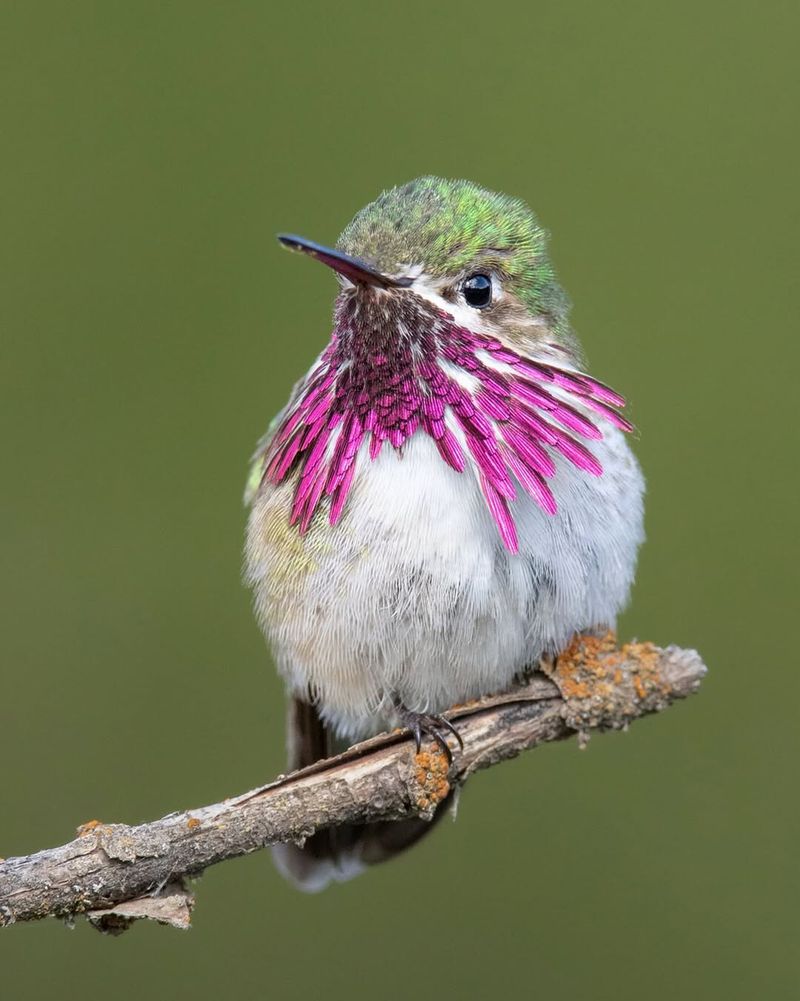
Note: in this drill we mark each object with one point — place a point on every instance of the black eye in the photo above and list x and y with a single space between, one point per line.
477 290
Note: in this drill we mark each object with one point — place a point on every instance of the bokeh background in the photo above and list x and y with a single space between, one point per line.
150 326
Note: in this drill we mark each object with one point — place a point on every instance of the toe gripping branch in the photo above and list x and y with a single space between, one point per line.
437 728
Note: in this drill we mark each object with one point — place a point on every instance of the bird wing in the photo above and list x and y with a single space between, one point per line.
255 472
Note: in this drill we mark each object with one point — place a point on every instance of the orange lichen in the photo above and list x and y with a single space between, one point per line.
192 823
88 827
572 689
605 685
431 769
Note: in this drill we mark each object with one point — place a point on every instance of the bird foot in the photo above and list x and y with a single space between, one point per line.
429 725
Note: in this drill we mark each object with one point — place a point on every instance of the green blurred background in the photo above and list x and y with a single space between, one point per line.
150 326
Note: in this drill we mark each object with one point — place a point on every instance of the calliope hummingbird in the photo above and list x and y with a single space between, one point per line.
446 497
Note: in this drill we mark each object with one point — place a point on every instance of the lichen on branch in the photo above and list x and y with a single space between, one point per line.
116 874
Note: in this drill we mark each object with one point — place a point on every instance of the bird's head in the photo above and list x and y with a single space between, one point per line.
479 256
449 323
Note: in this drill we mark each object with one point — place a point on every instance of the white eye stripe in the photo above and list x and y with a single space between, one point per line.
431 289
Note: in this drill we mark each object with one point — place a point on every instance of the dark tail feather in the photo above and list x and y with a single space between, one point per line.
338 853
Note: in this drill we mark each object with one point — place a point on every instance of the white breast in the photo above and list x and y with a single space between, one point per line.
413 594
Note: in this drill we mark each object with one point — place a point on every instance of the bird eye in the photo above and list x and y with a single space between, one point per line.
477 290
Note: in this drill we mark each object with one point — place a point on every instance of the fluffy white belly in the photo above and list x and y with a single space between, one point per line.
412 594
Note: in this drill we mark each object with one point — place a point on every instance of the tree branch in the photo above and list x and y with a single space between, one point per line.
115 874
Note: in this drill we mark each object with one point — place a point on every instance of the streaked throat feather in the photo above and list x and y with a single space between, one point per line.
398 365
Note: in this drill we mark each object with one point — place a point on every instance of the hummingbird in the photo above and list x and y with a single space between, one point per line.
446 498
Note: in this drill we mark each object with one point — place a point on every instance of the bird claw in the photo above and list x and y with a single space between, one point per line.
430 725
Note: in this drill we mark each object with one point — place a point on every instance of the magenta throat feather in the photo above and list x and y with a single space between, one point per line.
376 379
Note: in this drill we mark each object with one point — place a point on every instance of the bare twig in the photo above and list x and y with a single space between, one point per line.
115 874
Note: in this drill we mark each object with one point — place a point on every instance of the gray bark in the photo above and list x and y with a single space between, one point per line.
115 873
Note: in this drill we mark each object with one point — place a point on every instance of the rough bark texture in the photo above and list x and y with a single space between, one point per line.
115 874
